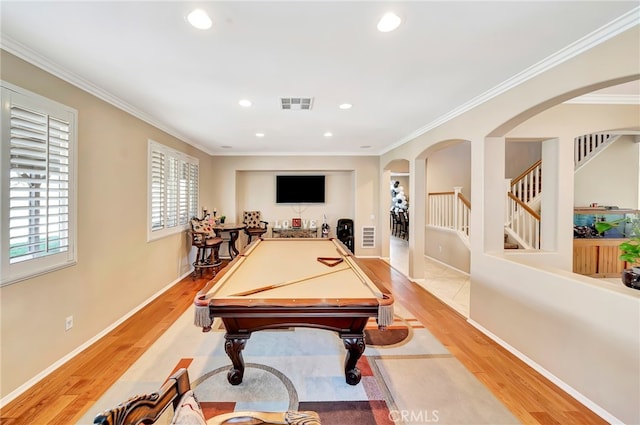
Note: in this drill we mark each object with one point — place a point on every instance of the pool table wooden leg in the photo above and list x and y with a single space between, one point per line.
355 346
233 347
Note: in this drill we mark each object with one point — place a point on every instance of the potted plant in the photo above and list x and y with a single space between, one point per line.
631 254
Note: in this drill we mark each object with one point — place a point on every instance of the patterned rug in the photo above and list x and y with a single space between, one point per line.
408 376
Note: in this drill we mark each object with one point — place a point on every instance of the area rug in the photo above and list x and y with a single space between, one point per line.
408 376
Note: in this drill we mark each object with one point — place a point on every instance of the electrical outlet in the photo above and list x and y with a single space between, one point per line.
68 323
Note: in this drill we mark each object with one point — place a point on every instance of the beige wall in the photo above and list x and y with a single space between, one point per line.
582 333
519 156
448 168
117 268
256 190
352 189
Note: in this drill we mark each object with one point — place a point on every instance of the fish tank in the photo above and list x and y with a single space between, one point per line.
585 219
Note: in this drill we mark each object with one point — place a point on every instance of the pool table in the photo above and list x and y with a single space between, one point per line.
282 283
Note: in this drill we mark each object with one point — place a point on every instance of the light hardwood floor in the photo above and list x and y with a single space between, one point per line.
66 394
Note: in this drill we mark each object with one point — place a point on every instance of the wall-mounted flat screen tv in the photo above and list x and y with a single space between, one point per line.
300 189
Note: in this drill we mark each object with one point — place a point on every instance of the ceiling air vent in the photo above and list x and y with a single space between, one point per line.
296 103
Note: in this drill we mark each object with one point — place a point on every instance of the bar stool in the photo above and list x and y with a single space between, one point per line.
204 238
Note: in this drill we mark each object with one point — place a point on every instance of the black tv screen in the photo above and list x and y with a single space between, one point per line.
299 189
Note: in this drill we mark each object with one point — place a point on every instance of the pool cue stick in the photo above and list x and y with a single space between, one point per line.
363 277
287 283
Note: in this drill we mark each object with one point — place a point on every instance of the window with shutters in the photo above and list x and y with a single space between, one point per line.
38 169
173 190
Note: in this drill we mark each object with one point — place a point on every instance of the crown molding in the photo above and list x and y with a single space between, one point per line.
607 99
602 34
29 55
615 27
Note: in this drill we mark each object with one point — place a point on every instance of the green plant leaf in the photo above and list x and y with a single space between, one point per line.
603 226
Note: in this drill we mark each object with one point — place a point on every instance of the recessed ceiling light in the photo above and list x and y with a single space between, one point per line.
389 22
199 19
365 146
345 106
226 147
328 134
259 134
246 103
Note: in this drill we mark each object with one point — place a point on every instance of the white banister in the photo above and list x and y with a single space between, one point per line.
450 210
523 223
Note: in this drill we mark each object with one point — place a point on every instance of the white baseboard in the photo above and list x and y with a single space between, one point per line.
550 376
449 266
33 381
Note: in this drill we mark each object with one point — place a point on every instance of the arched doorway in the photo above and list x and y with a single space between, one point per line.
397 204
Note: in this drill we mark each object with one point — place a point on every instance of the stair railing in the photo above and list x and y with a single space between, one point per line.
528 185
450 210
588 146
522 222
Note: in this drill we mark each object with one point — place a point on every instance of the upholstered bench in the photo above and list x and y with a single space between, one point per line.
176 400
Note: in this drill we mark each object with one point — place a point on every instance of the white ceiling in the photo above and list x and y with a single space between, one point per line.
145 58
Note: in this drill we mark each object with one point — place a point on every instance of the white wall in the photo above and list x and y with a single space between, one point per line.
611 178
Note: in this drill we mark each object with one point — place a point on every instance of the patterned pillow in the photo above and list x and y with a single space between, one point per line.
251 218
188 411
202 226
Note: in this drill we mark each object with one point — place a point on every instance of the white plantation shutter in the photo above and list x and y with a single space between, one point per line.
173 190
194 170
38 143
157 190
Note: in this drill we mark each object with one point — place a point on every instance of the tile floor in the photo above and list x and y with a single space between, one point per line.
449 285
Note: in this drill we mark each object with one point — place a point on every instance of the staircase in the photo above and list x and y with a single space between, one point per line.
522 216
451 210
588 146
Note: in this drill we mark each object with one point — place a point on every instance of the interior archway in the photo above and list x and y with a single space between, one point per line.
397 201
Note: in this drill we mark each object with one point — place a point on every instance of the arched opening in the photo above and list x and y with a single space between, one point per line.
446 248
588 155
397 178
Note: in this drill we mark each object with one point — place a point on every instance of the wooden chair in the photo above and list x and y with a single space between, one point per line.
404 224
396 223
176 394
255 225
204 238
